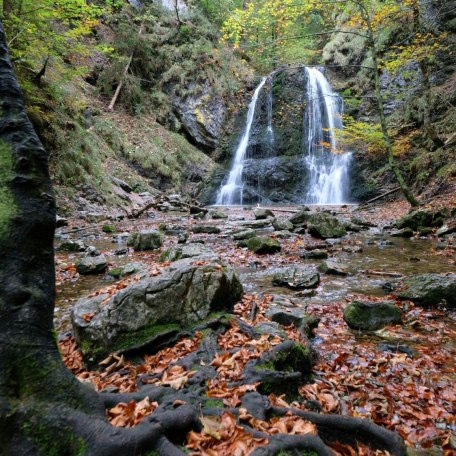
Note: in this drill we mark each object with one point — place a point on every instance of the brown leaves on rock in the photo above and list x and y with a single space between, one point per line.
222 436
128 415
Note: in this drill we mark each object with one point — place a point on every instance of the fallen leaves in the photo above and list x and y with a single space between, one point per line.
128 415
222 436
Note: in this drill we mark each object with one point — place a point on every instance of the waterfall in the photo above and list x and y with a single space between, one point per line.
327 167
269 109
231 192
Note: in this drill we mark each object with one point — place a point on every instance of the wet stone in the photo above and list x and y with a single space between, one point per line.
297 278
92 265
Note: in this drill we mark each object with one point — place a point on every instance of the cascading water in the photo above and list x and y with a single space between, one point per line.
287 154
231 192
328 169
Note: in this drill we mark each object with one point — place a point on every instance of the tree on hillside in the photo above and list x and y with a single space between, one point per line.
44 409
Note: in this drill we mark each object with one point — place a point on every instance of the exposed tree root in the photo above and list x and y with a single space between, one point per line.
349 429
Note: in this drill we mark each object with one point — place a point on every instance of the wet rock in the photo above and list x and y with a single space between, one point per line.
120 251
244 235
186 251
270 327
146 240
421 218
72 246
281 224
430 289
199 215
263 245
372 315
93 251
425 230
332 242
255 224
207 229
126 270
92 265
182 295
332 267
363 223
297 278
404 232
218 214
261 214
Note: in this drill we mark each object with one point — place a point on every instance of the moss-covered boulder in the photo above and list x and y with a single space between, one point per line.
146 240
183 295
281 224
421 218
372 315
218 214
430 289
244 235
126 270
324 226
282 369
263 245
300 217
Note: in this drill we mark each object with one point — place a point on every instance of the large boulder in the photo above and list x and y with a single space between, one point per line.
263 244
183 295
92 265
372 315
430 289
324 226
146 240
297 278
333 267
281 224
262 214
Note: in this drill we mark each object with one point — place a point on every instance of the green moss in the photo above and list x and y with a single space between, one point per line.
44 438
141 336
215 403
7 204
108 229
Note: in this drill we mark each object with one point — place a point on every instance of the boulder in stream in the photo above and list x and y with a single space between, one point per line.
264 244
430 289
332 267
183 295
92 265
146 240
297 278
372 315
261 214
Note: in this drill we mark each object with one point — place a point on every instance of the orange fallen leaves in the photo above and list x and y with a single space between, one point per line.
222 436
128 415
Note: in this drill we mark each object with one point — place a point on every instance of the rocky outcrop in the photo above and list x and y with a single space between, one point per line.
181 296
202 115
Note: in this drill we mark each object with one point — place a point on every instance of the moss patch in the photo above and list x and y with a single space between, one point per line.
7 203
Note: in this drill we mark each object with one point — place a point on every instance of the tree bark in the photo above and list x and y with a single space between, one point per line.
378 93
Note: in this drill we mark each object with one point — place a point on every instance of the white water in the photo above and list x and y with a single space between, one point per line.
231 192
328 168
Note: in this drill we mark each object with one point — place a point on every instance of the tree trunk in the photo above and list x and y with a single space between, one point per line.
378 93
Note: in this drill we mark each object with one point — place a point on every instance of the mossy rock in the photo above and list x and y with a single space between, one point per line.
125 270
207 229
372 315
421 218
146 240
263 245
108 229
